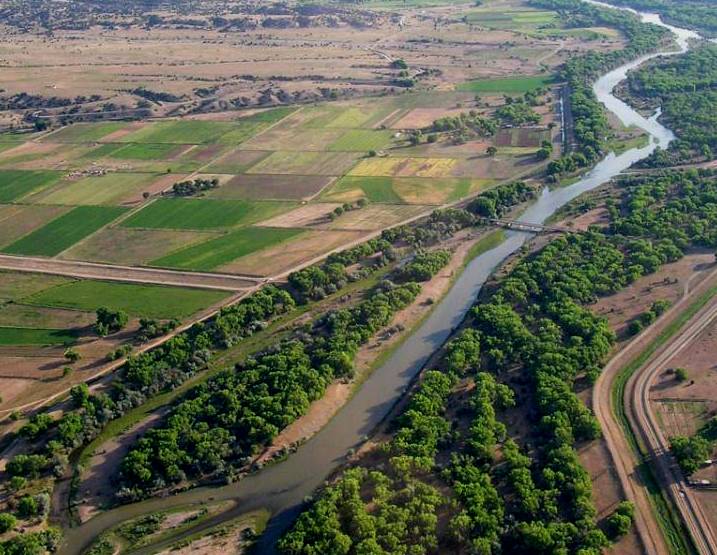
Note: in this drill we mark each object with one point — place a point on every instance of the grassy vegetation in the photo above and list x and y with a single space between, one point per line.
63 232
179 213
190 132
362 140
149 301
505 85
144 151
375 189
404 167
507 19
34 336
111 188
484 244
305 163
225 249
16 285
85 132
15 184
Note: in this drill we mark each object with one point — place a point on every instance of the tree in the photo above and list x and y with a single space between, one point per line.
681 374
620 521
28 507
110 321
491 151
690 452
7 522
71 355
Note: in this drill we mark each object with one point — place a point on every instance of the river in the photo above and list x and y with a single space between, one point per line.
282 487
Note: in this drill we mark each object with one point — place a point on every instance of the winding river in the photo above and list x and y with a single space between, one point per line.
281 488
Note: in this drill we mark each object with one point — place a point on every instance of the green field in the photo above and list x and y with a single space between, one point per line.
507 19
225 249
403 190
85 132
189 132
147 301
144 151
375 189
362 140
505 85
15 184
179 213
33 336
111 188
16 285
63 232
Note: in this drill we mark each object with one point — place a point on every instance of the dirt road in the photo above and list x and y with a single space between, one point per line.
90 270
644 424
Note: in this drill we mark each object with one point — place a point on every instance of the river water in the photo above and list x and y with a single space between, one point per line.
281 488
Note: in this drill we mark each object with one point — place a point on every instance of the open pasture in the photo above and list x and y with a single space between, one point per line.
147 301
290 253
404 167
180 213
111 188
305 163
17 220
15 184
522 19
212 254
129 246
280 187
64 231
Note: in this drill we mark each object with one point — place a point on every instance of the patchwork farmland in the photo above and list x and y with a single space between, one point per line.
256 196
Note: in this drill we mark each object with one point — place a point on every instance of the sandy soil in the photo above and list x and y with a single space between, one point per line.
95 491
310 215
374 217
291 253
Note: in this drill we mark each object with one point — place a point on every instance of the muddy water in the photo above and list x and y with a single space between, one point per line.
282 487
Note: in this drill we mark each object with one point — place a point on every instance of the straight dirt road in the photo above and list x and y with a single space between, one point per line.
644 425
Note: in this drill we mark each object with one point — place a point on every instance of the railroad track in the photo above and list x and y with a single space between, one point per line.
644 423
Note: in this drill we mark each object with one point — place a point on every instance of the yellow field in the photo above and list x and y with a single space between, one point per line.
404 167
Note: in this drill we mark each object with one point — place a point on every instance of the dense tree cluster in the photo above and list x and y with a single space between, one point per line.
227 419
193 187
590 125
465 126
424 265
685 87
517 113
496 202
694 14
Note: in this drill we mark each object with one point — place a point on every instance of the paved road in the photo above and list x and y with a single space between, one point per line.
643 422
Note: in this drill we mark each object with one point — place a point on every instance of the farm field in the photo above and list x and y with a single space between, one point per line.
85 133
178 213
64 231
305 163
505 85
408 190
108 189
290 187
36 336
287 254
404 167
133 247
149 301
17 184
17 220
212 254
